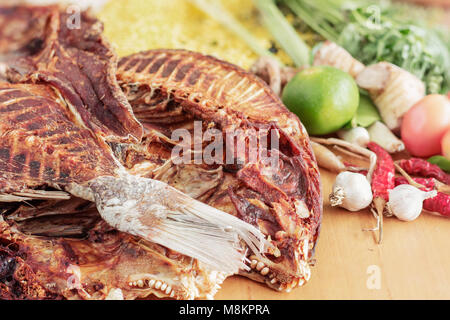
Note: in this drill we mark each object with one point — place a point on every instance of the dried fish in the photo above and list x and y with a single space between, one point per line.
66 125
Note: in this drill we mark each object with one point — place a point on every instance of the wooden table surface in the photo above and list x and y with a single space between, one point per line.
413 262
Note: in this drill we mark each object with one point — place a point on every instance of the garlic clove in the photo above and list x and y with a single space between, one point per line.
406 201
357 135
351 191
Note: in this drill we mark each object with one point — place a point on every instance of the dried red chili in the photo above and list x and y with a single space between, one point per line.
421 167
383 180
439 204
429 183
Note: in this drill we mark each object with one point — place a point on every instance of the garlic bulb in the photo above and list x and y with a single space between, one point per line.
357 135
351 191
406 201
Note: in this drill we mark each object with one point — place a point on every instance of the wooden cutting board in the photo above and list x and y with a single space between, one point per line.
413 262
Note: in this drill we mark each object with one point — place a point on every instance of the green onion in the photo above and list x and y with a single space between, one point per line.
215 10
283 32
319 23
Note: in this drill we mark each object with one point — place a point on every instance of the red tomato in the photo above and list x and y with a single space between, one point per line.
425 124
445 144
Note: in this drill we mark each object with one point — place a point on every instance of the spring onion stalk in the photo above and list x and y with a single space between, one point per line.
216 11
305 11
283 32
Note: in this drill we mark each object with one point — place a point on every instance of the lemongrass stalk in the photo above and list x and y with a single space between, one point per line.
283 32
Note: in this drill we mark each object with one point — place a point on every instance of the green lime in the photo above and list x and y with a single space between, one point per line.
324 98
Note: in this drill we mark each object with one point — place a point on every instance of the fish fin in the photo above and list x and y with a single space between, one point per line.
159 213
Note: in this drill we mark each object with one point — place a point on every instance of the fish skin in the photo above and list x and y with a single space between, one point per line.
40 143
77 61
